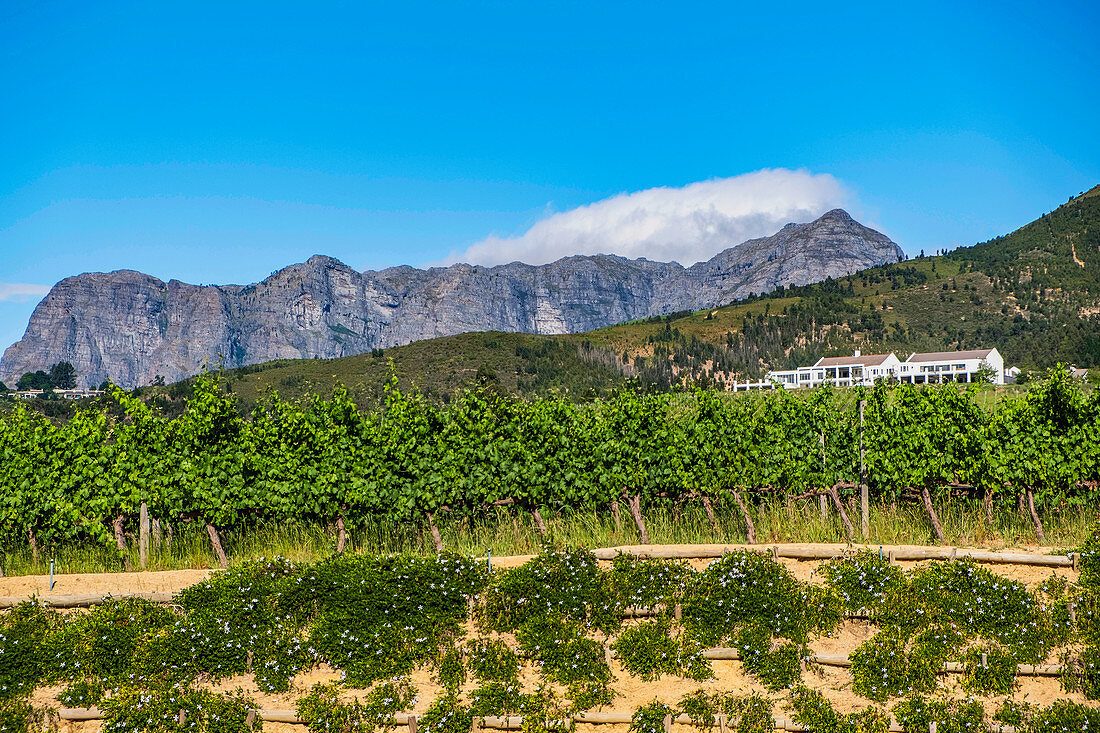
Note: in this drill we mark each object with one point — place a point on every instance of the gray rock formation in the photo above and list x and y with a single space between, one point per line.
129 327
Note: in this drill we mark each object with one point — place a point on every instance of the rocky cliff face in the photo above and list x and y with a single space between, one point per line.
130 327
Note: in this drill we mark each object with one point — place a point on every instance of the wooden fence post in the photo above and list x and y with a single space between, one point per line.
864 491
143 534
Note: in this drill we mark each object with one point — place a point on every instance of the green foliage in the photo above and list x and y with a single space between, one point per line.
751 713
1012 713
23 656
451 672
748 588
491 660
82 694
1063 715
650 718
378 618
884 666
324 711
982 604
496 698
447 714
813 710
862 580
588 695
996 676
18 716
646 583
564 654
950 716
649 650
562 582
103 644
157 710
778 665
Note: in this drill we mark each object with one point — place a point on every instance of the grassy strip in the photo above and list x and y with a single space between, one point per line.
510 534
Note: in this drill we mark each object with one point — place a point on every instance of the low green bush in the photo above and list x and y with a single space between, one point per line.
950 716
747 714
813 710
646 583
1062 715
497 698
983 605
157 710
588 695
567 583
82 694
323 710
862 581
17 716
777 664
24 656
650 718
995 676
491 660
747 588
564 654
450 671
649 650
446 714
884 666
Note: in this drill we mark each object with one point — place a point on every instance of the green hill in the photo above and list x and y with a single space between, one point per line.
1034 294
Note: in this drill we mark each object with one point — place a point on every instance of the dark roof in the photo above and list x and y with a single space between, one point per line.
949 355
867 360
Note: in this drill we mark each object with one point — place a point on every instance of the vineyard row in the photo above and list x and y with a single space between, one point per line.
325 461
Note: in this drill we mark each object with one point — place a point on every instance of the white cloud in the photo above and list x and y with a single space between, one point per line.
21 292
686 224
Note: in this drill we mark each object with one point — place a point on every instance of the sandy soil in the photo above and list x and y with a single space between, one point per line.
165 581
171 581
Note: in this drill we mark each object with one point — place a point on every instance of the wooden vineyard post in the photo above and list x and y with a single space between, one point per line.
216 541
635 504
822 500
539 522
341 534
436 537
864 491
120 539
143 534
413 724
668 724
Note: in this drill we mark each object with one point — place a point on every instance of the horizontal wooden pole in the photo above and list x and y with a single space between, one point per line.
795 552
83 600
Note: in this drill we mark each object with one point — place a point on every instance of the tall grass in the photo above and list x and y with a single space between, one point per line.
515 533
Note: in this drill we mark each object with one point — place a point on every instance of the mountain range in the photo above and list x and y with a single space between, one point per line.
130 327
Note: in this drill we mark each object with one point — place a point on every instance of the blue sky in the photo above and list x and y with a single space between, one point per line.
218 142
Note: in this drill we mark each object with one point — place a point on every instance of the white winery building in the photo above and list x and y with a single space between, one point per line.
931 368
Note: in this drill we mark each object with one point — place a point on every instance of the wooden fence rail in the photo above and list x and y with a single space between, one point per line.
682 552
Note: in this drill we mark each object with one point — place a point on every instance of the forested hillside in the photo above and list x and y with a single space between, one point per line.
1034 294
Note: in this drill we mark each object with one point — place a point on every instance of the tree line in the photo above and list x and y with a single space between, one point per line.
412 461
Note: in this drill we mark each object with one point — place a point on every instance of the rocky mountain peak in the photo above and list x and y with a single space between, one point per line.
129 327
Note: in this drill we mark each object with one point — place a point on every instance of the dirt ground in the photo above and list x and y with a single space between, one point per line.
172 581
729 676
